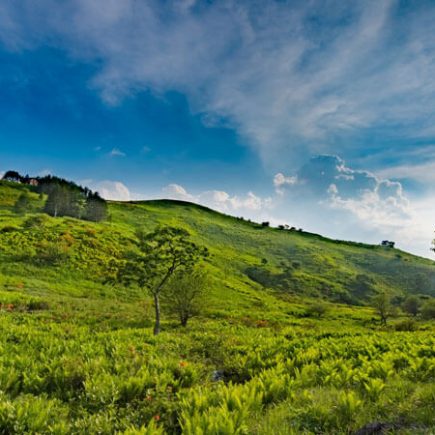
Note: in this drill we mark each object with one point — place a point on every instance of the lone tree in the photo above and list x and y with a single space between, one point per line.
383 307
184 295
411 305
159 256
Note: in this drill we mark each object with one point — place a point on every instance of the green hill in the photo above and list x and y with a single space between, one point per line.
78 355
247 259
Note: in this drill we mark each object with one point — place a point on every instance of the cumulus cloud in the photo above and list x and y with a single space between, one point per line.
356 205
219 200
175 191
112 190
327 175
280 181
288 75
372 209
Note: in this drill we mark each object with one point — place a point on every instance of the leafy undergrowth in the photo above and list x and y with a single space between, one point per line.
215 377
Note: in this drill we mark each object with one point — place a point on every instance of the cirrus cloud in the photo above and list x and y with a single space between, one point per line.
289 76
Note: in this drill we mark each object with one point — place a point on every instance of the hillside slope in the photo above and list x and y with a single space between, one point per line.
247 259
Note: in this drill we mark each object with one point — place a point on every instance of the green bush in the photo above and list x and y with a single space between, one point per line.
317 309
36 305
37 221
8 229
406 325
428 309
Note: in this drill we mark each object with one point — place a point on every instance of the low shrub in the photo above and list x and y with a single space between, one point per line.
318 309
406 325
8 229
36 305
428 310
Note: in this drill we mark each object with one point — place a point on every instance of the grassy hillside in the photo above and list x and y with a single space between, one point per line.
78 355
246 258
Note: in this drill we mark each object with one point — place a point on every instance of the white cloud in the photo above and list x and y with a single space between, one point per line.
423 172
219 200
409 223
417 236
224 202
116 152
373 210
175 191
280 181
113 190
332 189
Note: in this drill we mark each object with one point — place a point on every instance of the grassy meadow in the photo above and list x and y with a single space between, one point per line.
77 353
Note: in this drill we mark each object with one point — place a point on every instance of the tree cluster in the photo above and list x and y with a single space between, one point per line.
412 305
13 176
64 198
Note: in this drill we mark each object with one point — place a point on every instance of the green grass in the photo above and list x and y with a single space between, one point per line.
77 355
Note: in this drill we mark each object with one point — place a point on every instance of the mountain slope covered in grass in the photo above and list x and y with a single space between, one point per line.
247 260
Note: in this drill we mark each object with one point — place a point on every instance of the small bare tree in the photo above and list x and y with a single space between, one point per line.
383 307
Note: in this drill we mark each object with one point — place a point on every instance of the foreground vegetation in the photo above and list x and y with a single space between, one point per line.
287 341
215 377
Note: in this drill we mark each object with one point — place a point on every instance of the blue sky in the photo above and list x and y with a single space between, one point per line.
320 114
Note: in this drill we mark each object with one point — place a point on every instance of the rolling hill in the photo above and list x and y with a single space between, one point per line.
247 259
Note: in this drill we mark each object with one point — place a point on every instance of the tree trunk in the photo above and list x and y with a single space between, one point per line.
157 308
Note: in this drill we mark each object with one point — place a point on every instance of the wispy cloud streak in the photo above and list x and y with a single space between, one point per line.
293 78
